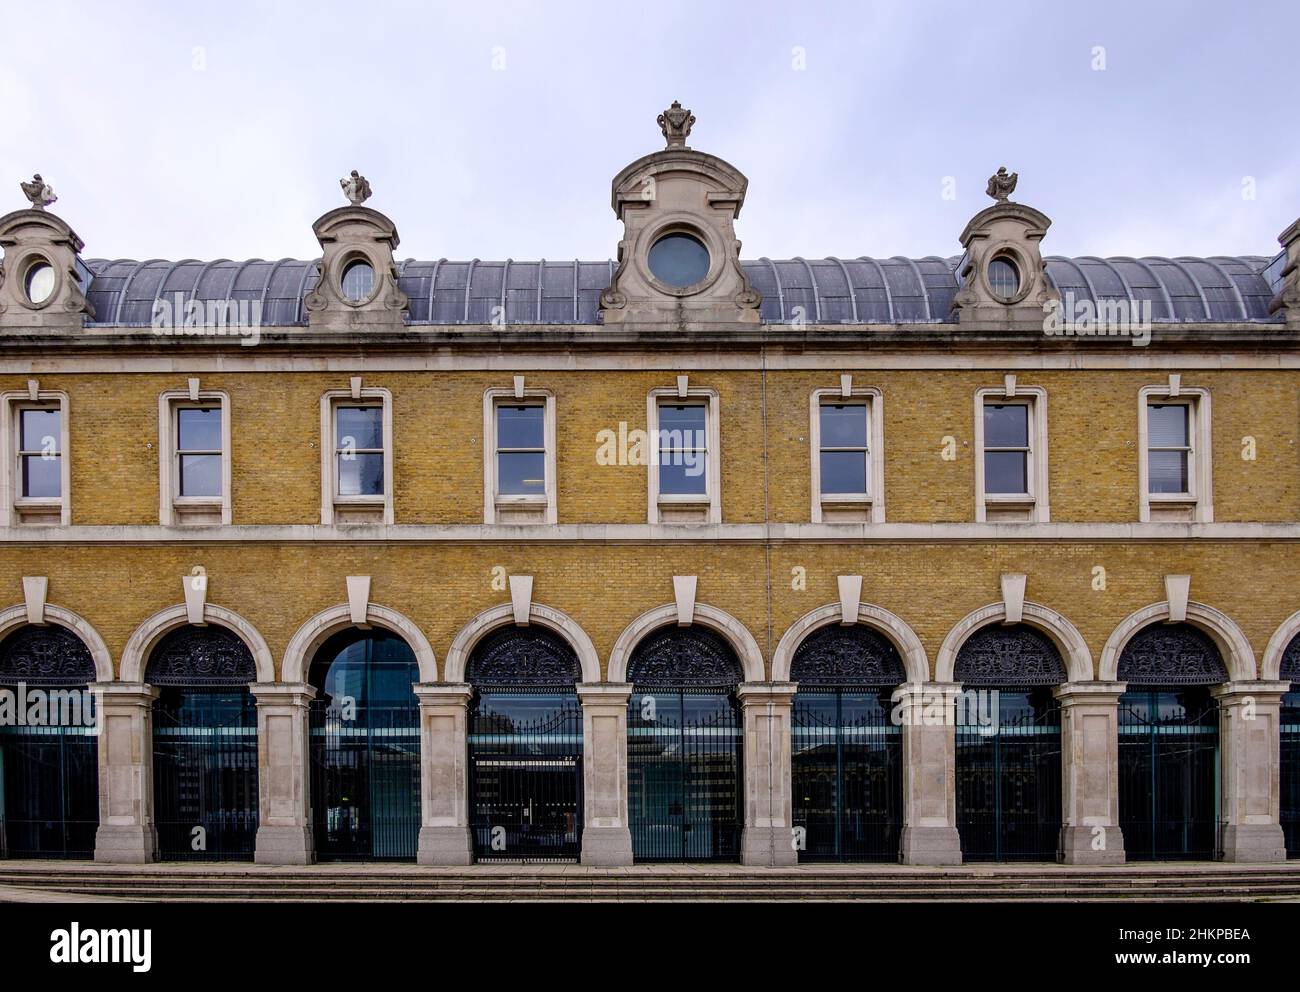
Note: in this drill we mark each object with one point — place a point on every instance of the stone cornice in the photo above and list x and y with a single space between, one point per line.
888 533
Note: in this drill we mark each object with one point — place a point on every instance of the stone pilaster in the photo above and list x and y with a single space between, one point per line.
444 774
126 833
1090 832
284 829
927 713
606 838
1249 748
767 838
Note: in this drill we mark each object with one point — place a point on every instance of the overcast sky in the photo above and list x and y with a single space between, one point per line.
492 130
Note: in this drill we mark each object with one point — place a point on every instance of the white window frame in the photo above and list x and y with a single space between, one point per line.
710 504
14 505
172 507
496 504
334 506
1199 500
873 501
1036 503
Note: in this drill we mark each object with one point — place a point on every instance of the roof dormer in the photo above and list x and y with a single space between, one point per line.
357 286
1003 276
679 260
42 278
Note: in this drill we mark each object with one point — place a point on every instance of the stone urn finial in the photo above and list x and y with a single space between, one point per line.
1001 185
39 192
675 123
355 188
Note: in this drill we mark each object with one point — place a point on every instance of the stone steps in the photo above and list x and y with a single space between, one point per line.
356 883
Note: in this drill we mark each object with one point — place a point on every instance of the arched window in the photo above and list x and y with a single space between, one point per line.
1290 767
365 748
1169 743
846 756
525 747
49 773
684 747
1008 744
204 745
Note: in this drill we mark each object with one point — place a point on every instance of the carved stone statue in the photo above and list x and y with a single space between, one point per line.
1002 185
39 192
675 123
355 188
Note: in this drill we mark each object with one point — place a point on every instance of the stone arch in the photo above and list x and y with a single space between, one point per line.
719 621
893 627
1227 636
135 656
316 631
16 616
1270 669
504 615
1066 637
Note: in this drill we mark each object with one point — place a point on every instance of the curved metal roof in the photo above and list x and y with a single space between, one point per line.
824 290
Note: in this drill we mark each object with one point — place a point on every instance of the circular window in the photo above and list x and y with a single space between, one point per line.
39 282
1004 278
679 260
358 281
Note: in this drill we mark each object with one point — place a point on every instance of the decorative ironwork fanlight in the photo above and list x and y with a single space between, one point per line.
47 655
683 656
1291 661
1015 655
208 655
523 656
1171 654
838 655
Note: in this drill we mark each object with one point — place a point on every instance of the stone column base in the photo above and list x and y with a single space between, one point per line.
606 846
1078 846
1252 842
126 845
930 846
284 846
444 846
770 846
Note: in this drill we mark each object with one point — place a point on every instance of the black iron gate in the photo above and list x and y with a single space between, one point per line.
1009 774
847 760
205 773
49 784
684 766
1290 805
49 773
365 749
525 748
1168 773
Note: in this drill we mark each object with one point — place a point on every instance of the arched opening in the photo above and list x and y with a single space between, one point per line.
846 752
1289 810
204 745
49 755
525 747
1008 745
685 747
1169 743
365 748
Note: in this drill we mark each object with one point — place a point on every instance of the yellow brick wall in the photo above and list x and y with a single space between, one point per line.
438 447
604 587
439 473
